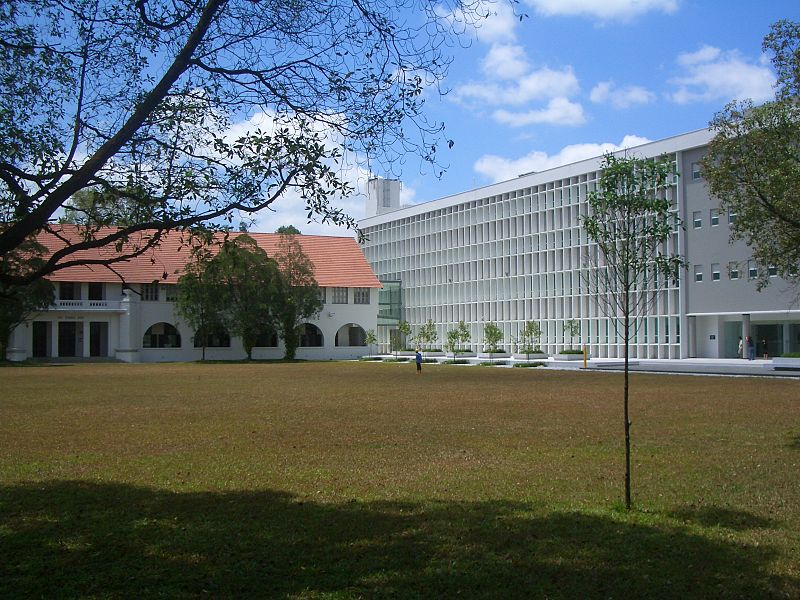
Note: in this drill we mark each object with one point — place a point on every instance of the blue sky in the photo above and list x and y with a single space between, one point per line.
575 78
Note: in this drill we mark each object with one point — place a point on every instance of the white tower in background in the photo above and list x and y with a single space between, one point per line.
383 195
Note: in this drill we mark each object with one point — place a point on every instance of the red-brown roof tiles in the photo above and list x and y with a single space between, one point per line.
338 261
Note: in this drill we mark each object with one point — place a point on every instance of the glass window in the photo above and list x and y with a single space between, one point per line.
752 269
733 270
696 171
697 219
714 271
150 292
69 290
216 337
339 295
322 295
171 292
731 218
96 291
772 270
161 335
714 217
361 296
698 272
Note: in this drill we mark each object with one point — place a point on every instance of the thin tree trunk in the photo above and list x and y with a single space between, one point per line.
626 333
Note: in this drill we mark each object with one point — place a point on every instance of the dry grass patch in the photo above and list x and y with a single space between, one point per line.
347 480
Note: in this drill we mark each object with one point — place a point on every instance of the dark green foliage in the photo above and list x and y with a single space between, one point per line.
288 230
19 302
301 299
136 100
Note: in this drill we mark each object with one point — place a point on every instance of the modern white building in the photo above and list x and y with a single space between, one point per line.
130 315
514 251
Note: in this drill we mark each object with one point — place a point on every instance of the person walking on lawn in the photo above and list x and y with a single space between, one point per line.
418 358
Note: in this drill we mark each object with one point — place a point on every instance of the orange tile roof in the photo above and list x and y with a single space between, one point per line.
338 261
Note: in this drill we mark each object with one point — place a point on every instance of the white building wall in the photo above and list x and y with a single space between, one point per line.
516 251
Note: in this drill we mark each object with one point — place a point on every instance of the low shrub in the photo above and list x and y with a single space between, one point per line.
430 360
457 361
399 359
496 363
790 355
493 351
530 364
571 351
370 358
530 350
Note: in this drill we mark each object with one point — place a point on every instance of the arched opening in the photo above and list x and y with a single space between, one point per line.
351 335
161 335
311 336
266 340
212 337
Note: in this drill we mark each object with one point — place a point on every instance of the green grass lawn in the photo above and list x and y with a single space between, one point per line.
359 480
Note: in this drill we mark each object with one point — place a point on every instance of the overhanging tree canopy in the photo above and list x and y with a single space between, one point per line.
101 95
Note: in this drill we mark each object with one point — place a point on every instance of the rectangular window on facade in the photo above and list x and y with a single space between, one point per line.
697 220
150 292
323 297
731 218
733 270
68 290
714 271
714 217
696 171
752 269
171 292
360 295
698 272
96 291
339 295
772 271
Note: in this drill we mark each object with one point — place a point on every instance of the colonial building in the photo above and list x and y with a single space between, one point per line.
129 313
514 251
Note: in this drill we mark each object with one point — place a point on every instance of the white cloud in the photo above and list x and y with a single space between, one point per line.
559 111
497 168
491 21
505 61
541 84
623 10
606 92
714 75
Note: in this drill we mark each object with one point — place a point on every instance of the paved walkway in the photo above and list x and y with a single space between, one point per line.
693 366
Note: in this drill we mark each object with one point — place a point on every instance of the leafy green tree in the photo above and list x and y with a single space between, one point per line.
457 338
288 230
19 302
238 290
119 207
199 300
301 298
492 335
572 327
427 335
370 339
632 221
753 163
396 343
85 105
404 327
529 338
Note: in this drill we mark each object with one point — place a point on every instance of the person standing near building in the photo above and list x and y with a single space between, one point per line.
751 348
418 358
764 351
740 347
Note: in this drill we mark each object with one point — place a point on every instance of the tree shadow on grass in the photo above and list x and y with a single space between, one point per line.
715 516
794 442
76 539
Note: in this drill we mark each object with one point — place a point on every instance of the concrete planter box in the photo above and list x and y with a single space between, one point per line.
560 356
426 354
461 355
786 364
532 356
494 355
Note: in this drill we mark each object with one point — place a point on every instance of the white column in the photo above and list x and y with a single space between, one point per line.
691 336
85 350
786 340
54 339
